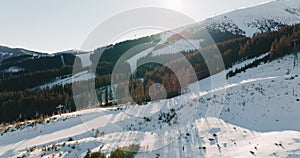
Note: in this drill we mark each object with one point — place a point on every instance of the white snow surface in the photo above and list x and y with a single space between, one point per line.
81 76
14 69
242 64
258 19
163 47
259 119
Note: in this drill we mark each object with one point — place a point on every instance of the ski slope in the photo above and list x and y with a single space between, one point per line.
259 119
81 76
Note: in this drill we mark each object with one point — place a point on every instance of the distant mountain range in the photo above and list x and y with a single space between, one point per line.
245 22
258 108
7 53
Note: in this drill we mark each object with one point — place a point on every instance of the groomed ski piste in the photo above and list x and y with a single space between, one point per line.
259 119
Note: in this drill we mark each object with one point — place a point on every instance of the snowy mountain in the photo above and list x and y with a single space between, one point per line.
259 117
7 53
239 23
261 107
258 19
70 51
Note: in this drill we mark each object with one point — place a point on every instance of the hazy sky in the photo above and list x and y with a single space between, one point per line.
55 25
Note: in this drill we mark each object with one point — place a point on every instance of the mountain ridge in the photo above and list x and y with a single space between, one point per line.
258 19
268 16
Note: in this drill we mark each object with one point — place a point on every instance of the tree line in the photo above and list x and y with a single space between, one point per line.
19 95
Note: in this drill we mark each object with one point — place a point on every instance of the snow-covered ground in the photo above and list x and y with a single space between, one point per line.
133 60
164 47
265 17
14 69
81 76
259 119
240 65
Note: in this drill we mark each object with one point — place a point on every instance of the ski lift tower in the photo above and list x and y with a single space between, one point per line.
59 107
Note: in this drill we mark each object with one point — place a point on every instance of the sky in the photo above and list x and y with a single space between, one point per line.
56 25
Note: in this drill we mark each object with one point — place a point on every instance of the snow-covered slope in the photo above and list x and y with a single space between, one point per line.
81 76
71 51
259 119
258 19
7 53
243 22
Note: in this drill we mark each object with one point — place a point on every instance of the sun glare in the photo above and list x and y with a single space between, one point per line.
174 4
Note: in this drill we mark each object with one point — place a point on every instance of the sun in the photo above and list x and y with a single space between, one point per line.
174 4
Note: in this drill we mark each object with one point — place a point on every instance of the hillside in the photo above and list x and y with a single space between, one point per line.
253 114
258 19
245 22
258 119
238 23
7 53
